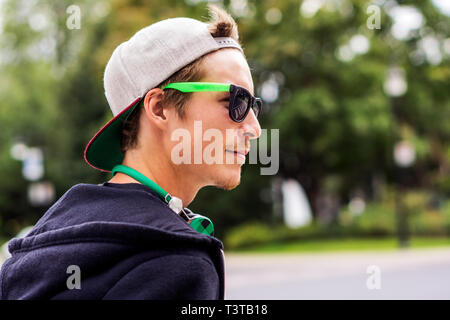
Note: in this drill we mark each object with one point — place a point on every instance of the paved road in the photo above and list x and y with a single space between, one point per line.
402 274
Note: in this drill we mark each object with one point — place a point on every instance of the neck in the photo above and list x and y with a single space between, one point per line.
160 171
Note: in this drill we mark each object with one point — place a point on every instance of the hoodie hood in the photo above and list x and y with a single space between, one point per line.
98 228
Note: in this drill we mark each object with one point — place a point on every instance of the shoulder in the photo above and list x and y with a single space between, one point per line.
171 276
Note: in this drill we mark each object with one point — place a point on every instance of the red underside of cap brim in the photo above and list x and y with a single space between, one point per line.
103 150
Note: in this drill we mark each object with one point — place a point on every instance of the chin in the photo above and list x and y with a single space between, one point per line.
228 178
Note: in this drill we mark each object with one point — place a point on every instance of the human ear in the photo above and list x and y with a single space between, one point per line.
154 109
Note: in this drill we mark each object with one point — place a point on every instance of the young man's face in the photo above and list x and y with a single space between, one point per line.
210 111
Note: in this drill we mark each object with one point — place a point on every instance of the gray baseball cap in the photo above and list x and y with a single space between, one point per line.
136 66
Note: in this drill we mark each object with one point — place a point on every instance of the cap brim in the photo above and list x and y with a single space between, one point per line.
103 151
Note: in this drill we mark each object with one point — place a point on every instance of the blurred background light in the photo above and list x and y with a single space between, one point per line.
269 90
273 16
240 8
47 48
446 46
357 206
32 165
405 20
359 44
41 193
431 47
19 151
270 86
345 53
38 21
395 84
309 8
404 154
101 9
442 5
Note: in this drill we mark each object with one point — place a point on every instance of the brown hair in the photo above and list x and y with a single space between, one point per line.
221 24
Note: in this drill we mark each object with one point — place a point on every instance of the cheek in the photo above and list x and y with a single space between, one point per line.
206 125
209 112
209 129
195 111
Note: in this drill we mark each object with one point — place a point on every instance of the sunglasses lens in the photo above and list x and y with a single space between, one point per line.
240 105
257 107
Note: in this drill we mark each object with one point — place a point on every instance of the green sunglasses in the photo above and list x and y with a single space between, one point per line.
241 100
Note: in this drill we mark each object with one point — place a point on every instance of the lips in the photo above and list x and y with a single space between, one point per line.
242 152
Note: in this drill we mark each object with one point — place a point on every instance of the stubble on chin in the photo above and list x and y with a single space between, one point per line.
228 183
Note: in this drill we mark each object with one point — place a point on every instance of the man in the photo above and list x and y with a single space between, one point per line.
133 237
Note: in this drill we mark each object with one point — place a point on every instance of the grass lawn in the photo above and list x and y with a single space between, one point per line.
346 245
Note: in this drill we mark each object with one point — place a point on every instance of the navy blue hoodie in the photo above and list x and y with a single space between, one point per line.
127 244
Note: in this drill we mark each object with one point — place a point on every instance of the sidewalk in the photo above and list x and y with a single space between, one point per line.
404 274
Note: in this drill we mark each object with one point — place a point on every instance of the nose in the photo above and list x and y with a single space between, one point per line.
251 126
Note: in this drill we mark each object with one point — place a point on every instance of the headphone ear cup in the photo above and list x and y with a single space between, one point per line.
202 224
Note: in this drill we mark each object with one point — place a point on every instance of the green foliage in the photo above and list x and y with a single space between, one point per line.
255 233
379 220
376 220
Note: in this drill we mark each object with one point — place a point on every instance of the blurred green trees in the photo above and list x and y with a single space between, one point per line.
321 71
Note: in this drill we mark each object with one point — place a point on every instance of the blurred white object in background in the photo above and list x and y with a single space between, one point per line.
4 253
41 193
296 208
395 84
19 150
32 165
357 205
404 154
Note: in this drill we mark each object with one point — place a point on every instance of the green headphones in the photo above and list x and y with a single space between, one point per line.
198 222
